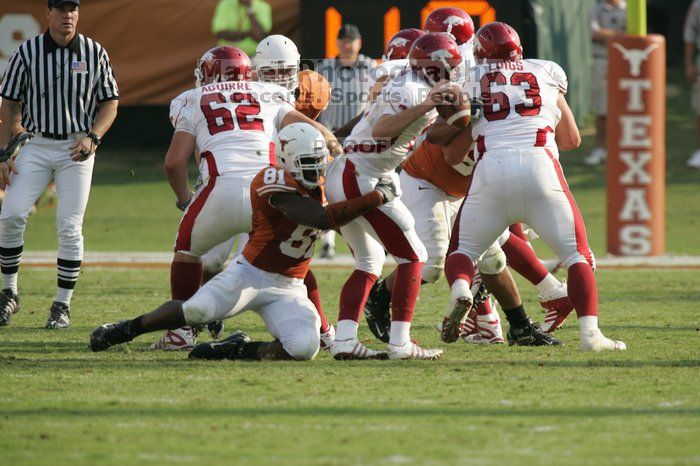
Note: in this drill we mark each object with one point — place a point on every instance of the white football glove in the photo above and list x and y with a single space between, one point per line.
387 189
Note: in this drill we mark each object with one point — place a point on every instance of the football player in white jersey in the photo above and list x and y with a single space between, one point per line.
376 146
276 61
517 176
231 121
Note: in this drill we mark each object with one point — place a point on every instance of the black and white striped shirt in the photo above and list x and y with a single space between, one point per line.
59 87
350 87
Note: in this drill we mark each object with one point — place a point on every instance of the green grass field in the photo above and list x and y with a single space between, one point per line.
61 404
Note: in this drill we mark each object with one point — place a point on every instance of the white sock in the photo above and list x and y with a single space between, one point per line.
346 330
9 280
63 295
547 285
588 324
400 333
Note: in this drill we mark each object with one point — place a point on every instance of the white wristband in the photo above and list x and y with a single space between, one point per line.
457 115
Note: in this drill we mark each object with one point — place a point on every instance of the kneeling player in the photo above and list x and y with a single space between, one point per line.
268 277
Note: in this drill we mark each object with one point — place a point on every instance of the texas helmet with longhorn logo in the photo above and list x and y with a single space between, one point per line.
303 153
400 44
277 61
434 57
453 21
222 64
497 41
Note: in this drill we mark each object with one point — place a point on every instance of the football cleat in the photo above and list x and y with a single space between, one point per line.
557 307
59 316
378 312
460 303
595 341
327 338
489 331
9 304
468 327
412 351
216 329
109 335
352 349
530 335
180 339
228 348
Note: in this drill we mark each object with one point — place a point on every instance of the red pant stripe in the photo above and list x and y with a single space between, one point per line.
579 226
391 235
184 233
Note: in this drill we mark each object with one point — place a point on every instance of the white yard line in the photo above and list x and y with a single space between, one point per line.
155 259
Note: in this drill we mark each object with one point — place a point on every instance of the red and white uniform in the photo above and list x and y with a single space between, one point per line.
268 278
390 226
517 176
388 68
234 124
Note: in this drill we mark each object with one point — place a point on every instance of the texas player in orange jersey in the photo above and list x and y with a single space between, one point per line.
433 190
268 277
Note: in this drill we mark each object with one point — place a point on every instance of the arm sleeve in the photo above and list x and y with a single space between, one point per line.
181 114
106 85
284 108
690 29
559 76
394 99
268 182
14 81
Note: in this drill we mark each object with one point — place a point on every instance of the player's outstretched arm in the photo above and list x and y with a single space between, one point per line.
566 134
309 212
181 148
296 116
391 126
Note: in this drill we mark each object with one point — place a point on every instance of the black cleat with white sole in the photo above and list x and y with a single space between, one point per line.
59 316
109 335
530 335
378 311
228 348
9 304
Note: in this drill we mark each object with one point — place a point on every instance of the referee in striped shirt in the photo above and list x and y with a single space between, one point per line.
62 85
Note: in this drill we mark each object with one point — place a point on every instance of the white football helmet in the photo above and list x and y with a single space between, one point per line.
277 61
302 152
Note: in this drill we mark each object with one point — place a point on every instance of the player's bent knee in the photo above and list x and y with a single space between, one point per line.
578 258
371 266
492 263
198 312
304 345
432 272
212 265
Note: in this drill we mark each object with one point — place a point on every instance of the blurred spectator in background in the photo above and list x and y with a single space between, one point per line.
606 19
691 37
242 23
348 76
